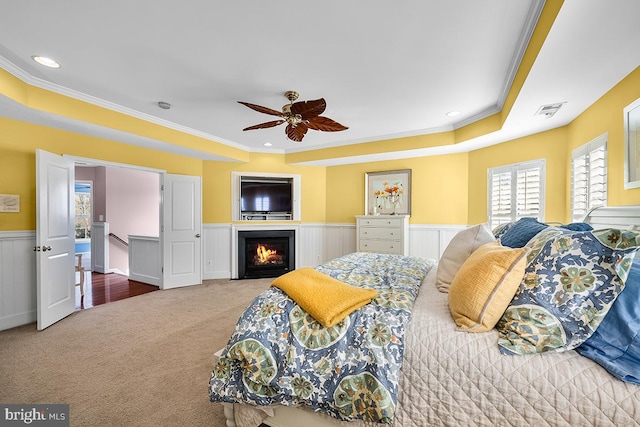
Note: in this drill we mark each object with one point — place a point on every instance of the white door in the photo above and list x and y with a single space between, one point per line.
55 237
181 229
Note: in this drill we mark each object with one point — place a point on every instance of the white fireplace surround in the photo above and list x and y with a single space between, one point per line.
235 228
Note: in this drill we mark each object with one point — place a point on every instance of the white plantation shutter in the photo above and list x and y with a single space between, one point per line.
500 191
528 192
589 177
516 191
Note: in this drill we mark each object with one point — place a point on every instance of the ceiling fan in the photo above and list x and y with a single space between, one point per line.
299 116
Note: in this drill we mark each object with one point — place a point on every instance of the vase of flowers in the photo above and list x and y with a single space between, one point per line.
390 195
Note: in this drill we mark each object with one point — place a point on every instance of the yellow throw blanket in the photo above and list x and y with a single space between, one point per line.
326 299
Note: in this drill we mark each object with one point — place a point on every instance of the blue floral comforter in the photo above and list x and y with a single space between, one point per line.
279 354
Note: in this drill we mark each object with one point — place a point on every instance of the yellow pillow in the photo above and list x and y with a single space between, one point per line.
485 285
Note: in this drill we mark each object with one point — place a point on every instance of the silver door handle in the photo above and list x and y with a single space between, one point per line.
36 248
46 248
198 235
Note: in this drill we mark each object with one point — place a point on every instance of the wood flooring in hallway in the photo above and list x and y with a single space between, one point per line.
104 288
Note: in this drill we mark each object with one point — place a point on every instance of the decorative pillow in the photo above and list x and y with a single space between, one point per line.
577 226
521 232
459 249
501 229
485 284
615 345
570 282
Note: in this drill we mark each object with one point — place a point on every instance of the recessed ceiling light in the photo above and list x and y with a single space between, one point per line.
268 144
164 105
47 62
452 113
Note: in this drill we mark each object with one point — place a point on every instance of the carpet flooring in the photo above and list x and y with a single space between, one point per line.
142 361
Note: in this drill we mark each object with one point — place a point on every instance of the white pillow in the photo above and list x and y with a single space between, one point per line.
459 249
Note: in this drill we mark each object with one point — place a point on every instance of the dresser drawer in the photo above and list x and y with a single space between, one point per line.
381 233
381 246
380 222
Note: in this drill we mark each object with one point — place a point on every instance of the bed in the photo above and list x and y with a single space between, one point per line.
451 376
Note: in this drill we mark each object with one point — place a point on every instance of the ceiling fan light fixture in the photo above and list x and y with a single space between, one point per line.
47 62
299 117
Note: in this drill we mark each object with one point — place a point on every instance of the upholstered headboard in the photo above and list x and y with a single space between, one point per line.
614 217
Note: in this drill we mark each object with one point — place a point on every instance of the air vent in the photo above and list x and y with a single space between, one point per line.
549 110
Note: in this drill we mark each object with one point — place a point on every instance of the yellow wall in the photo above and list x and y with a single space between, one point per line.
550 145
19 141
439 189
606 115
447 189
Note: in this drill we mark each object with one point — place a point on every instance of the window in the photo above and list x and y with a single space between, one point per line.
516 191
588 177
83 211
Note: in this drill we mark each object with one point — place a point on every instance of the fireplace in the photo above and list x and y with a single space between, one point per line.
265 253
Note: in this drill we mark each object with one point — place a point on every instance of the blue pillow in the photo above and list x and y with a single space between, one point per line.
615 345
501 229
577 226
521 232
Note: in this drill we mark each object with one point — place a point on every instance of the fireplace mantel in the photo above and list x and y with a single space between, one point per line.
256 227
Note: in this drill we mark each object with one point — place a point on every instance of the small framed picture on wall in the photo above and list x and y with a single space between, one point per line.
388 192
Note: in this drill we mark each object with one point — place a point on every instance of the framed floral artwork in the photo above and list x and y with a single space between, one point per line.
388 192
632 145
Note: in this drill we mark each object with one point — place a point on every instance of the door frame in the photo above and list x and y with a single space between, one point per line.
90 162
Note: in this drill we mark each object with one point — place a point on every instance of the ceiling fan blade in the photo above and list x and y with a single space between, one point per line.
324 124
261 109
309 109
265 125
296 133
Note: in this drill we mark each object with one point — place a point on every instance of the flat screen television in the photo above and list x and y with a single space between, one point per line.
266 196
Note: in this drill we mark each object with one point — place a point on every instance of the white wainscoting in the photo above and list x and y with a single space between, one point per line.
18 299
216 251
430 241
340 239
145 261
317 243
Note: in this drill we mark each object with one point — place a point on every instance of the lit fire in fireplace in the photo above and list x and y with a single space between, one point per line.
267 256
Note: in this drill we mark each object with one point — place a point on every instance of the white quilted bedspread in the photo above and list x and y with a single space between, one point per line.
453 378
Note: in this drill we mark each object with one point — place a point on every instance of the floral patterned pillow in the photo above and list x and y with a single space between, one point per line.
571 280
